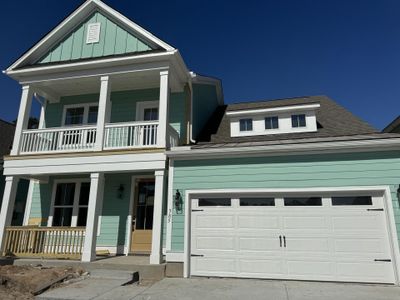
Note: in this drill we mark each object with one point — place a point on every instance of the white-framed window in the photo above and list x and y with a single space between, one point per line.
80 114
299 121
69 205
147 111
246 124
271 122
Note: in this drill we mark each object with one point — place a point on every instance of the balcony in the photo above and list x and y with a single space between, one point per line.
127 135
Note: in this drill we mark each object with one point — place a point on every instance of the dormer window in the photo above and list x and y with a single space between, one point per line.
298 121
271 123
246 124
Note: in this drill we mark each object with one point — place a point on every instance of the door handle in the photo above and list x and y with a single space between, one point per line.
280 241
284 241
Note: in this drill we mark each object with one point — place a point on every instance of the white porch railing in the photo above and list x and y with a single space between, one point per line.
83 138
58 139
131 135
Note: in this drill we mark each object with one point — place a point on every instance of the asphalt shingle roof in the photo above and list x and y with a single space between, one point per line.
333 121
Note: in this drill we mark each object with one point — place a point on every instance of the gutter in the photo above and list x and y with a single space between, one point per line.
390 144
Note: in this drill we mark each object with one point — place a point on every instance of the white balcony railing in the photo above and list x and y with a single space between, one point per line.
83 138
131 135
58 139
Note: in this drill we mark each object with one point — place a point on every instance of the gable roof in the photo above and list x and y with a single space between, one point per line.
333 121
394 126
6 137
60 34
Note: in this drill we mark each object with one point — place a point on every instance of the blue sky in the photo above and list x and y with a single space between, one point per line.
348 50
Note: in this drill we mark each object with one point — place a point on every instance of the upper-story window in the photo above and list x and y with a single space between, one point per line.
298 120
80 114
271 122
246 124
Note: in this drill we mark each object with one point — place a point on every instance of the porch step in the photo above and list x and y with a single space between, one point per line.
100 283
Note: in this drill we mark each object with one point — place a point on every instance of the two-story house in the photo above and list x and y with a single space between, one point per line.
137 154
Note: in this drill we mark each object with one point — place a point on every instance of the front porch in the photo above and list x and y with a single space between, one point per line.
84 216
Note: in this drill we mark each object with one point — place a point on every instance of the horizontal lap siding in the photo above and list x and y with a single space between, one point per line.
337 170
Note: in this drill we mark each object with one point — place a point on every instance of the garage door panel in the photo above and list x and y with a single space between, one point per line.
214 266
368 271
215 243
307 244
367 223
267 267
362 246
258 244
258 222
318 223
217 221
303 268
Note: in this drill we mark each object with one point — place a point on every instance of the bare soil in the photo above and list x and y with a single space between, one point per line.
24 282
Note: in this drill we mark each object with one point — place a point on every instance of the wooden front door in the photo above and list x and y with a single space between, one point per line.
143 217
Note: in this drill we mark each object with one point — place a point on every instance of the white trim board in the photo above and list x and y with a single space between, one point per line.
294 148
385 190
289 108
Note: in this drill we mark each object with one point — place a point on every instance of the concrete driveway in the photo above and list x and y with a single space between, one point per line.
248 289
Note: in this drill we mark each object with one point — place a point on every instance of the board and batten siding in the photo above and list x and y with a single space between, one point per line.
114 40
123 107
325 170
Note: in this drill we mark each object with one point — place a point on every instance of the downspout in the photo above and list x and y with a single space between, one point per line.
191 140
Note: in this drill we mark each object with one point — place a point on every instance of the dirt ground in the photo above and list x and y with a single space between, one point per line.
24 282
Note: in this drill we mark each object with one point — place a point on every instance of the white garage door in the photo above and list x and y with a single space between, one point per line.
341 238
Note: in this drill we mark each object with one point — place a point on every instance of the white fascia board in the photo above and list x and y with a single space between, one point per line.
78 16
122 62
131 162
274 109
183 153
210 80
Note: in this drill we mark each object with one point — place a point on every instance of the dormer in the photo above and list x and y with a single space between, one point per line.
273 120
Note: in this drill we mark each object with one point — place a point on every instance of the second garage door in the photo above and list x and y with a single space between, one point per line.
335 238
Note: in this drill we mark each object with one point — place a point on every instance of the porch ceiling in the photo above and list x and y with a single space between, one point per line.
91 85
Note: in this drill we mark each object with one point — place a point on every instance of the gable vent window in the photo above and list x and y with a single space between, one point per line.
93 33
298 121
246 124
271 123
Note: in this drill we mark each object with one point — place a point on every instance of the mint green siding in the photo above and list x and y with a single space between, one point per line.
205 101
113 40
41 201
123 107
330 170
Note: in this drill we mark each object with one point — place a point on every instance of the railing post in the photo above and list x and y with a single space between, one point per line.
7 206
163 109
23 118
103 116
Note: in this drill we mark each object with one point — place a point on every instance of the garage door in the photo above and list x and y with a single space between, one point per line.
335 238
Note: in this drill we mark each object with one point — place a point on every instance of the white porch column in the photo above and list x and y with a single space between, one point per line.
95 198
155 256
104 112
163 109
7 206
23 117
